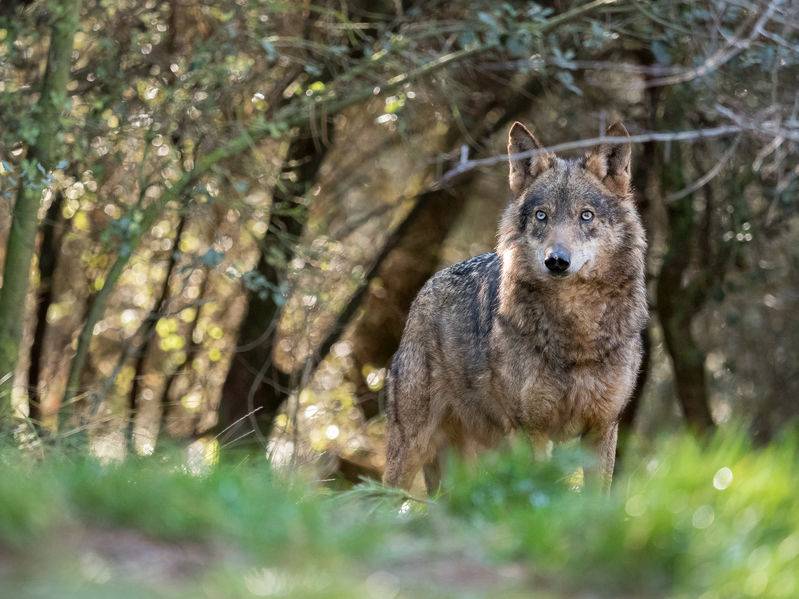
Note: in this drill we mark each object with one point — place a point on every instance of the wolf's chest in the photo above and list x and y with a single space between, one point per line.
568 402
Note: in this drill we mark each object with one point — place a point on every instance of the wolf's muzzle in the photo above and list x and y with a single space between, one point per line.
557 259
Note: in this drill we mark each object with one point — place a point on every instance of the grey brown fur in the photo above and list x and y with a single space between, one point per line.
503 342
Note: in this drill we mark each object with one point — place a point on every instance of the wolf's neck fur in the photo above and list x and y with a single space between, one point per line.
571 321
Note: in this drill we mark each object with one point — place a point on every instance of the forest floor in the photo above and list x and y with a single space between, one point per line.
715 519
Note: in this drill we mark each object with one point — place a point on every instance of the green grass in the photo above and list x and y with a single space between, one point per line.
715 519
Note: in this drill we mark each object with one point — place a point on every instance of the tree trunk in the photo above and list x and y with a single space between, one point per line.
41 155
645 183
415 258
688 362
191 353
676 307
254 388
158 311
51 231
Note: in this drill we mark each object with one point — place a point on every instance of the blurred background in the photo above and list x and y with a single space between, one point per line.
215 215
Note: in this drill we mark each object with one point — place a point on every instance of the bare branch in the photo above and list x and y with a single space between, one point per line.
689 135
708 176
733 47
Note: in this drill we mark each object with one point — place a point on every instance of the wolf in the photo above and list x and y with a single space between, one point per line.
541 336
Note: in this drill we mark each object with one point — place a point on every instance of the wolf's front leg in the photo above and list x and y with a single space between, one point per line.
542 446
603 445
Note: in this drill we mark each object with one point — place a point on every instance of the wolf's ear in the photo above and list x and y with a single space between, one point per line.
611 163
524 170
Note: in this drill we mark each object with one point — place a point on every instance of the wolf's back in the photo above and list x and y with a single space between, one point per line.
448 325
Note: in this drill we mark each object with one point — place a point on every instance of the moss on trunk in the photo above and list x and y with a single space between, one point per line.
41 157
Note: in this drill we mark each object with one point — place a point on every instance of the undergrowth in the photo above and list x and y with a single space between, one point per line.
686 518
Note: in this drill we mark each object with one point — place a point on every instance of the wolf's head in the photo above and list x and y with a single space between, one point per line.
571 219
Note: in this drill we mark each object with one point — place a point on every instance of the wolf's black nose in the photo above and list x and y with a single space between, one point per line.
557 259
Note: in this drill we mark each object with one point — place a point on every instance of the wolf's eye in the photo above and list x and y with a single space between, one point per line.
587 215
540 215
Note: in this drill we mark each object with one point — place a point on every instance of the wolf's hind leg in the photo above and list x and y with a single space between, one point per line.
403 460
603 445
432 473
411 424
409 449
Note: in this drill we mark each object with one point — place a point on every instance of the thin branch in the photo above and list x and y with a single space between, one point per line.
708 176
689 135
536 63
574 13
734 47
